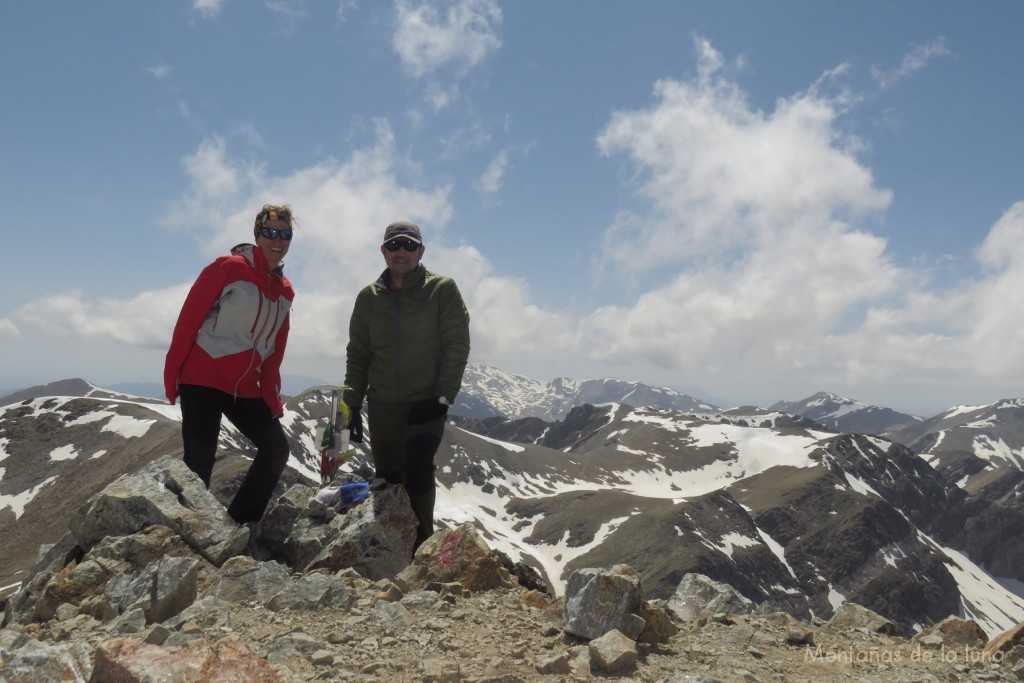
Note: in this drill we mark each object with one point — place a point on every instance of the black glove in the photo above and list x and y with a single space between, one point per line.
426 410
355 425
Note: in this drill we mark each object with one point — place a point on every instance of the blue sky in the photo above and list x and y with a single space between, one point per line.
744 201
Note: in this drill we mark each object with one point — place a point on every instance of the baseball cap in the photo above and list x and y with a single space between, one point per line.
403 229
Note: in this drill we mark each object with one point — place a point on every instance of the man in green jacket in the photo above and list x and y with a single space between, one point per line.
408 344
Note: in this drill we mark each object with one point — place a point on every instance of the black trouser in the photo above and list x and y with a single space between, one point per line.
404 454
201 411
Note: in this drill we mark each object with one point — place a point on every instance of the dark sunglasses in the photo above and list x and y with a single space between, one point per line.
274 233
395 245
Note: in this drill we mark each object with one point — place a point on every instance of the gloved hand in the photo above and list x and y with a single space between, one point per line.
355 425
426 410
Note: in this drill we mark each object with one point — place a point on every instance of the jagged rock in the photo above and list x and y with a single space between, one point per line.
161 590
527 576
613 653
658 625
131 622
295 641
1007 646
310 592
36 662
164 492
440 671
375 537
275 527
456 556
555 665
206 613
954 632
52 559
852 615
697 596
598 601
243 578
580 662
129 660
82 582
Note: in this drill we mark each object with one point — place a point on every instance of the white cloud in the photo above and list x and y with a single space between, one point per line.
913 61
749 234
756 217
341 210
997 301
346 6
288 9
143 320
491 180
209 9
160 71
459 34
721 178
9 329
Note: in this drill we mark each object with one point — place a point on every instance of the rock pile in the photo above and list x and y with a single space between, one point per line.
155 582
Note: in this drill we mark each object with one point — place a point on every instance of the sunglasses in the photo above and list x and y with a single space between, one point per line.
395 245
274 233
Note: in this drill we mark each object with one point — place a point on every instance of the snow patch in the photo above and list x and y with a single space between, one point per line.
18 501
65 452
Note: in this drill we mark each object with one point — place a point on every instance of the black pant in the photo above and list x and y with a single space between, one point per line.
404 454
201 411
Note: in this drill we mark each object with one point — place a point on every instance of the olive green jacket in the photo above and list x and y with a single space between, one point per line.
409 345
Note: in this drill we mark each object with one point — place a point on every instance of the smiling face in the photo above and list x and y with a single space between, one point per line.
274 248
401 261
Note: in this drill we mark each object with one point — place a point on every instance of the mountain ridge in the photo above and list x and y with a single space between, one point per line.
605 484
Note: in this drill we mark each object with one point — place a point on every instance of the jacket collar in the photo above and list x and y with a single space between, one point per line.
413 279
254 255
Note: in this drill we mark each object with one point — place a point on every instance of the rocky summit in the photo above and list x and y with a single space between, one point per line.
154 582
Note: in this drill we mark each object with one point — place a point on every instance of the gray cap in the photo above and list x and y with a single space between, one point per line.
403 229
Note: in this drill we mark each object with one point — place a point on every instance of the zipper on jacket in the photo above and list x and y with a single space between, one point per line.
398 342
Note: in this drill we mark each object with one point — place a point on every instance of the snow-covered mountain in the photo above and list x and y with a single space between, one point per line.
488 391
795 517
978 448
847 415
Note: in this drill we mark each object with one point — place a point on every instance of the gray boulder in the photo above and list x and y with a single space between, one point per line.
375 537
164 492
601 600
853 616
699 596
161 590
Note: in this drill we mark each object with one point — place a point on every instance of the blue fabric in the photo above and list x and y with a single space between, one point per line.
353 492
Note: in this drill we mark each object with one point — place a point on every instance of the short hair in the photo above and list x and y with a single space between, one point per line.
273 212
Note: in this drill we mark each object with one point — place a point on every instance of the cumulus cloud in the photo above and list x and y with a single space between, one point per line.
341 209
759 220
457 34
750 231
143 320
721 177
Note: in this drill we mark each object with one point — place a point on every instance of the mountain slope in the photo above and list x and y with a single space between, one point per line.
795 517
488 391
847 415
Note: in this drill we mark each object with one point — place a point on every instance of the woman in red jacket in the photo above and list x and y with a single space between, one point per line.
225 359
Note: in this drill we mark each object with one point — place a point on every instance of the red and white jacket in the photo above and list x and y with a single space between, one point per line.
233 329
